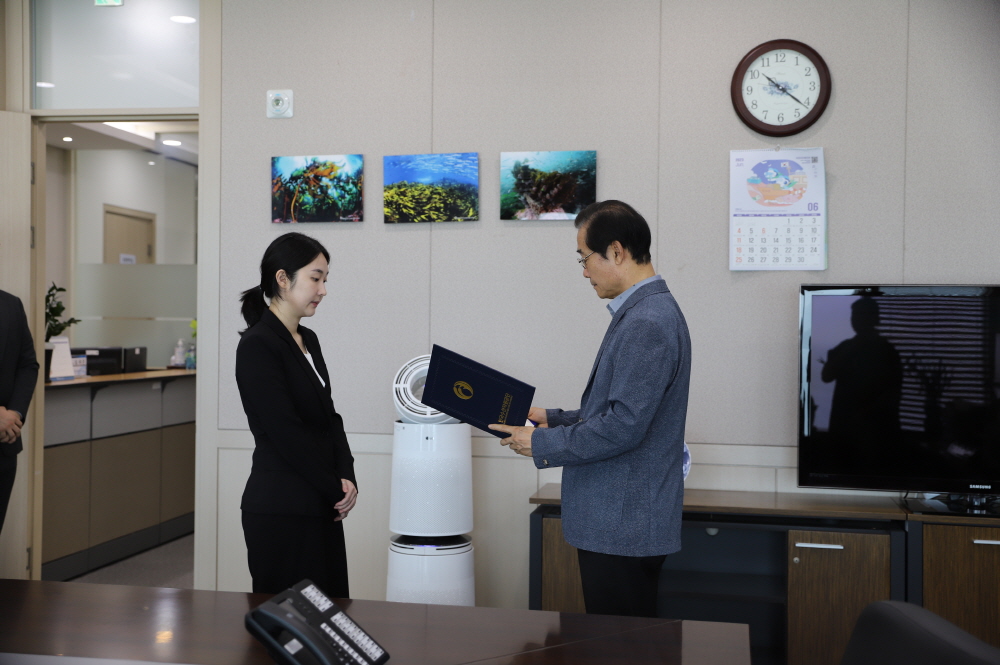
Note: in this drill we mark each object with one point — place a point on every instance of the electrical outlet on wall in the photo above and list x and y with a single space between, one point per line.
279 103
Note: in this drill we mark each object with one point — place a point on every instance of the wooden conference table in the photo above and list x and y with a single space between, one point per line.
206 628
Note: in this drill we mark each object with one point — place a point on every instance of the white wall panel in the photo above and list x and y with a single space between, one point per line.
367 91
232 571
500 487
744 324
542 76
953 104
366 529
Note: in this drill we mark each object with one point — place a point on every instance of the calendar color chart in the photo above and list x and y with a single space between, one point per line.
777 217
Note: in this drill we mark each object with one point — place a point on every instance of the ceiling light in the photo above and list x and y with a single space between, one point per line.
171 142
132 128
183 19
152 163
67 138
44 84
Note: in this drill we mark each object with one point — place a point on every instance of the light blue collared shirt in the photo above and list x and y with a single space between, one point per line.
620 299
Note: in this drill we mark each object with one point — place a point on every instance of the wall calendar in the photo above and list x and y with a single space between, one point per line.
777 209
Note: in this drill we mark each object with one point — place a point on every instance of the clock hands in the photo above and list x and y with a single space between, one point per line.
782 89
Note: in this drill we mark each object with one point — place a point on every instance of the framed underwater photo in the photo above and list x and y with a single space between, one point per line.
547 185
441 187
317 189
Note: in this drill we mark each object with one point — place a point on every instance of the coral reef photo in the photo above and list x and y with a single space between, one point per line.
547 185
440 187
317 189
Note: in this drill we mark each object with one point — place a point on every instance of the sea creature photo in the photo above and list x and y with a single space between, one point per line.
317 189
547 185
442 187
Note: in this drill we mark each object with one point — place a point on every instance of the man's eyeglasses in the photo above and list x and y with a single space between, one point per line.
583 261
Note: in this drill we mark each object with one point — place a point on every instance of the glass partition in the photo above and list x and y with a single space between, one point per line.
148 305
142 54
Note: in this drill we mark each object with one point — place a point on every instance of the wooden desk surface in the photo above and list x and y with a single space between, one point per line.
206 628
119 378
793 504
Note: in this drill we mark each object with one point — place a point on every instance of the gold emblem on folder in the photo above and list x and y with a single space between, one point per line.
463 390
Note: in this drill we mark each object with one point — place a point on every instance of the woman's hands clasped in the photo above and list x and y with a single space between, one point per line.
345 505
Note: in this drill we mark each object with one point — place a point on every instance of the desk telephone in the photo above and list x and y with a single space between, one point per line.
301 626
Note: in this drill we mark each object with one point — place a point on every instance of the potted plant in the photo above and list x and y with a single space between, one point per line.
53 325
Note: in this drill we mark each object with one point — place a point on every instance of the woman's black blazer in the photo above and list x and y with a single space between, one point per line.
301 450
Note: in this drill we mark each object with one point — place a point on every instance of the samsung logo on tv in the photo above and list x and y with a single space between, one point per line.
980 487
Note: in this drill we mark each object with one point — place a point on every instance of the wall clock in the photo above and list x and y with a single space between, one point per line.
781 87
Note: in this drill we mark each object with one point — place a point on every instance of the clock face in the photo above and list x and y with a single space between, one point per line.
781 87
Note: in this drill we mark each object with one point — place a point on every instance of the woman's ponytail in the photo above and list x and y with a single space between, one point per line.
253 306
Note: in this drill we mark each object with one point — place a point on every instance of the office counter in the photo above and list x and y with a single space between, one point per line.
206 628
119 467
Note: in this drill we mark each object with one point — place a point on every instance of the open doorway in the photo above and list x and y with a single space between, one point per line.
121 238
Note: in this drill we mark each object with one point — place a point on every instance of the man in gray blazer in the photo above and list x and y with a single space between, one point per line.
621 451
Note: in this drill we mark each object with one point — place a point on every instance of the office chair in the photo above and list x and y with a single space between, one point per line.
890 632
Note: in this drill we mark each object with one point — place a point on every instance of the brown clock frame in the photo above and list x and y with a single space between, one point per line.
761 127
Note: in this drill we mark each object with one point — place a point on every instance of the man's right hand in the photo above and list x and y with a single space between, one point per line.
539 416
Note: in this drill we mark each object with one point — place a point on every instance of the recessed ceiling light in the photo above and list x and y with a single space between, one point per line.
183 19
171 142
44 84
152 163
67 138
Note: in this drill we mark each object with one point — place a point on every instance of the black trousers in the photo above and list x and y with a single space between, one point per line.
621 585
8 467
283 550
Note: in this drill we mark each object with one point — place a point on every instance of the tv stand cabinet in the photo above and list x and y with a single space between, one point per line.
798 568
956 570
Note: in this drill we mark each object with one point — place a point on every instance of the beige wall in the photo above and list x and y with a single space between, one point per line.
16 263
908 136
58 217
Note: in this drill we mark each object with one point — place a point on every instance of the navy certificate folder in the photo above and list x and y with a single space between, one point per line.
475 393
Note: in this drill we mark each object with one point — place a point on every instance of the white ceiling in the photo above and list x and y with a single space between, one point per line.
100 136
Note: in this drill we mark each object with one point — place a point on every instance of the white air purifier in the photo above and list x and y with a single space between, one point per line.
430 508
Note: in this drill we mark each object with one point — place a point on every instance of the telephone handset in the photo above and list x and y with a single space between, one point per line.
301 626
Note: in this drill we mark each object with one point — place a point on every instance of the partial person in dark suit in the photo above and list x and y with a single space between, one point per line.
18 375
622 450
302 482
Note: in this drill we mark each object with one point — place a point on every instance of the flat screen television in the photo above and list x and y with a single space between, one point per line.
900 389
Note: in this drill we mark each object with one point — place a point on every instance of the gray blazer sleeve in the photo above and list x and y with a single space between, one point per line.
635 393
557 417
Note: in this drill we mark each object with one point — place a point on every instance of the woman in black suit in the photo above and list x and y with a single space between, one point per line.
302 482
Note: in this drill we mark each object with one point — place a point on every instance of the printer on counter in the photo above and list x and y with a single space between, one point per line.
102 360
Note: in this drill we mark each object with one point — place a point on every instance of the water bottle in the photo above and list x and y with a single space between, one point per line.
178 358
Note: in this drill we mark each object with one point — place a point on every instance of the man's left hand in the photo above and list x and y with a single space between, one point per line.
519 439
10 425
